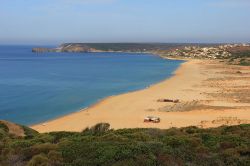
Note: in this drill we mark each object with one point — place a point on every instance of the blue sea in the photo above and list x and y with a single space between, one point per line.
39 87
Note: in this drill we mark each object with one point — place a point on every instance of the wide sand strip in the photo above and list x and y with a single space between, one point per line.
197 84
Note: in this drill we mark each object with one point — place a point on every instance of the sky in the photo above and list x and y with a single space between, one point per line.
165 21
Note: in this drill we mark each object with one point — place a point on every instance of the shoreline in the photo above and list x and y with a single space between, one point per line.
107 97
129 109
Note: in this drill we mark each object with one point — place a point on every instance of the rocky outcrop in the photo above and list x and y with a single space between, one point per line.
40 50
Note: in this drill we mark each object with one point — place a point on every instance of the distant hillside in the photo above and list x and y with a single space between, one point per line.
236 54
240 55
100 146
113 47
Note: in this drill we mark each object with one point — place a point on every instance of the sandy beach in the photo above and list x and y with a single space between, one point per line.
210 94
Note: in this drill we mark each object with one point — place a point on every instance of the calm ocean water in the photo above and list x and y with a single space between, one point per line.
38 87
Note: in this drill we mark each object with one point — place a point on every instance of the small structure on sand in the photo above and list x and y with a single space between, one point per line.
152 119
169 100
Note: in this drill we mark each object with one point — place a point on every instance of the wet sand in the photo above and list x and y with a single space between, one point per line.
211 94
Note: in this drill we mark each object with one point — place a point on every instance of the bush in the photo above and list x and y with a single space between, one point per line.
29 132
98 128
55 158
39 160
100 146
41 148
3 127
2 134
226 145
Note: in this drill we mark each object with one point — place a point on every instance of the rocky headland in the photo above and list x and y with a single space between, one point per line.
230 53
109 47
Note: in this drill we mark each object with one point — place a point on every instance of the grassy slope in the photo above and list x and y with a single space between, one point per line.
133 47
130 47
240 58
99 146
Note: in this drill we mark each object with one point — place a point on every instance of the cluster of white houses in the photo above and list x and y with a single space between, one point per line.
205 52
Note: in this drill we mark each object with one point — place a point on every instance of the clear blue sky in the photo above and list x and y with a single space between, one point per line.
58 21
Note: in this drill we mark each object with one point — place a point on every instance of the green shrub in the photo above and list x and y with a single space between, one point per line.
3 127
29 132
39 160
3 134
166 159
98 128
41 148
55 158
100 146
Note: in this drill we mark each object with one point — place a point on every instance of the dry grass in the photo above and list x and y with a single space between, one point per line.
227 121
190 106
14 128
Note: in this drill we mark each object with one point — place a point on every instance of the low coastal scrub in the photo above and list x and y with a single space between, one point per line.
100 146
240 58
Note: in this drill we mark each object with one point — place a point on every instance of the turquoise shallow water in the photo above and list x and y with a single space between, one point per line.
38 87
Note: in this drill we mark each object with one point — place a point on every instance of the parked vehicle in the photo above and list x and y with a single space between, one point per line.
152 119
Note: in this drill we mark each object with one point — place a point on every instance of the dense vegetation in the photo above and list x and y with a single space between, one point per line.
127 147
126 47
240 58
122 47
